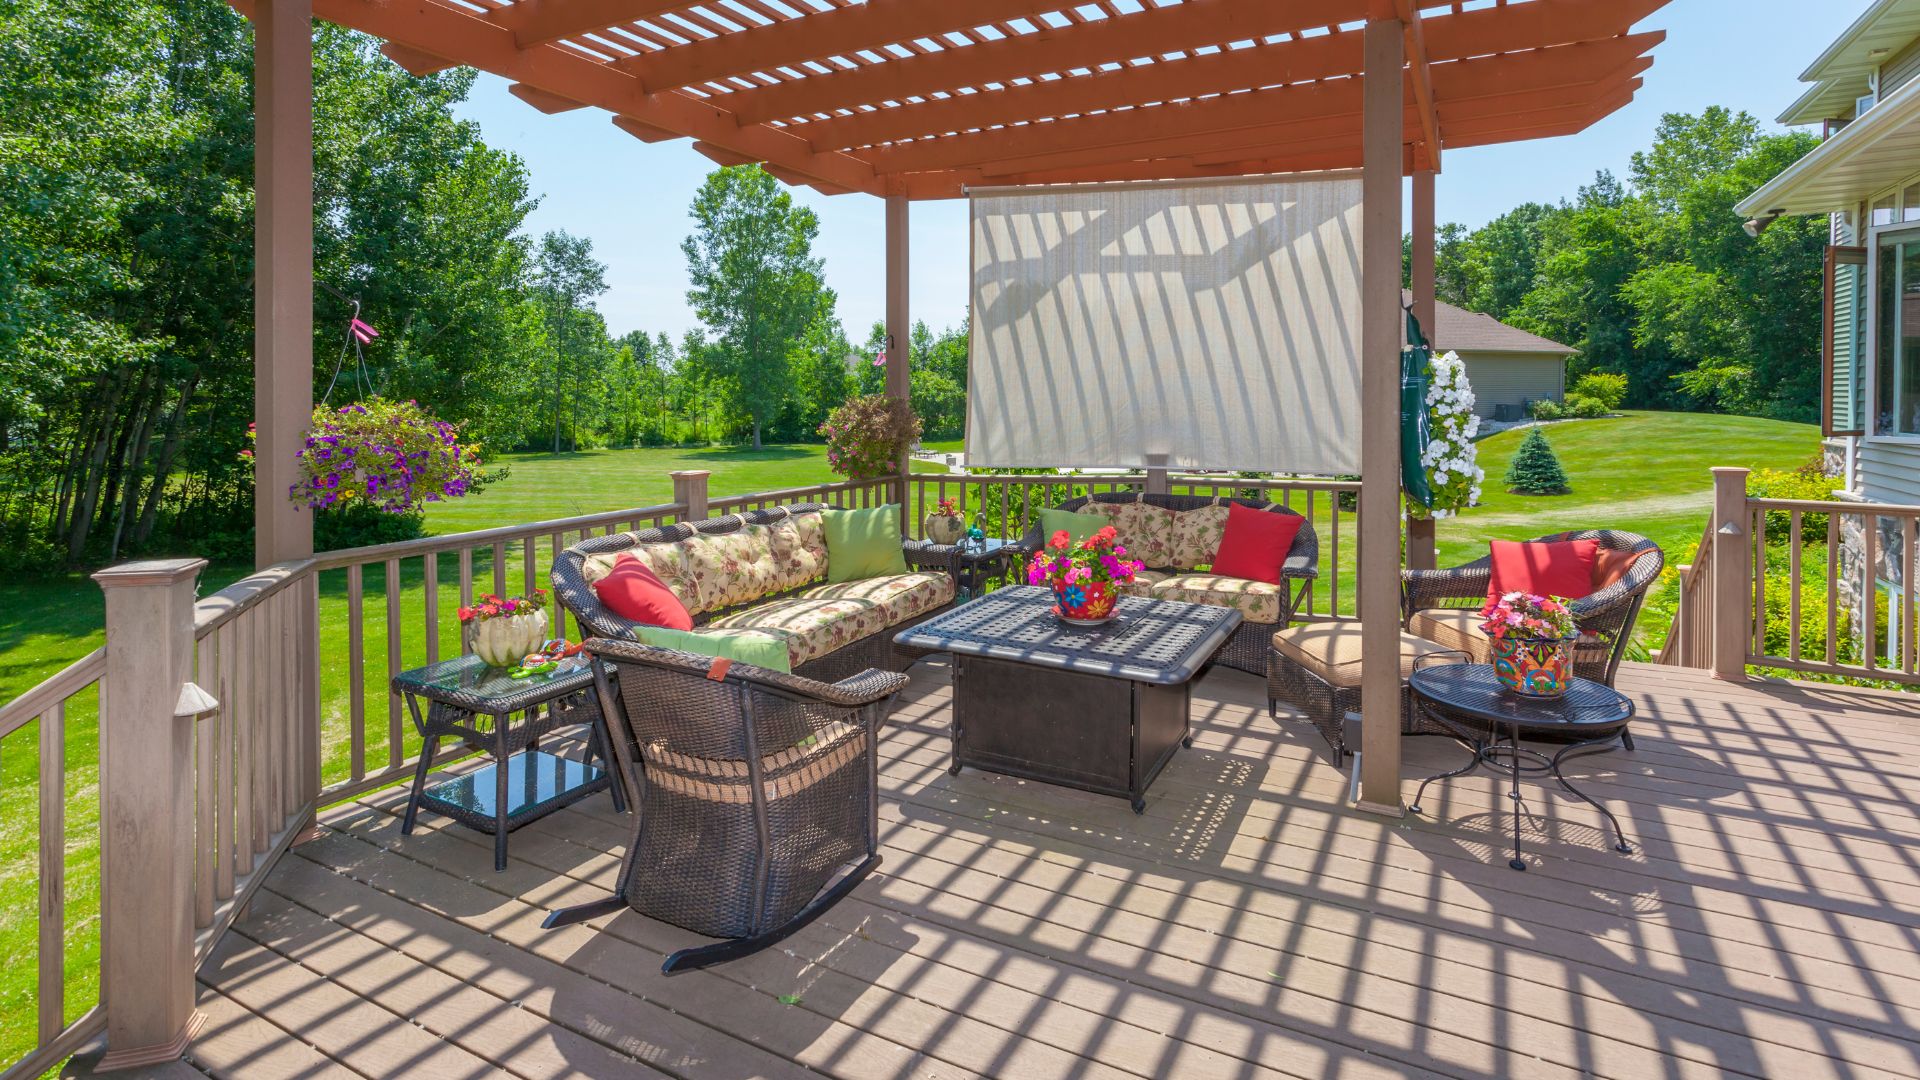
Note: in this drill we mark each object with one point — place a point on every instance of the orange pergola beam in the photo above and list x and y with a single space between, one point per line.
818 36
428 26
1150 32
1421 81
537 22
412 61
1199 120
546 102
1544 22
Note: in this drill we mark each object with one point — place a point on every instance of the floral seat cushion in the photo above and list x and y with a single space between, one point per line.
1146 531
1195 536
1257 601
1143 582
831 617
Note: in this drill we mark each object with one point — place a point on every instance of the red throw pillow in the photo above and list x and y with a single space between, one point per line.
1255 543
1611 564
637 594
1562 568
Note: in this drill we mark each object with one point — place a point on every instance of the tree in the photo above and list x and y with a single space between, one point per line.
1534 469
568 277
756 284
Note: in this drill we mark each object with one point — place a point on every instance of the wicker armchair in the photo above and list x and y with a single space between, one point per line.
751 789
1605 618
1247 649
570 587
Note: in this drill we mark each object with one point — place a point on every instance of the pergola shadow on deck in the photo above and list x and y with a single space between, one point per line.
1250 923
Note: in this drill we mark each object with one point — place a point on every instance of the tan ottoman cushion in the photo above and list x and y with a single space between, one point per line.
1332 651
1454 628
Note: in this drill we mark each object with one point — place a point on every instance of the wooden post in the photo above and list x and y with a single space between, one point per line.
899 326
1732 575
283 279
283 330
1158 480
1381 140
1420 531
690 491
146 813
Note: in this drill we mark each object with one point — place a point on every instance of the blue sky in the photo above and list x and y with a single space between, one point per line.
631 198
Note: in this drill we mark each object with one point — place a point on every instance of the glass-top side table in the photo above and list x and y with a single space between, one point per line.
468 700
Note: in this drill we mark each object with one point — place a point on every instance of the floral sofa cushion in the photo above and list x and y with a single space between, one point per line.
732 568
1257 601
668 563
831 617
1146 531
799 551
1196 536
1143 583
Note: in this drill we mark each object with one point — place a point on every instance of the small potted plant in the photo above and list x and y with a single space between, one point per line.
502 632
1533 639
944 525
1086 578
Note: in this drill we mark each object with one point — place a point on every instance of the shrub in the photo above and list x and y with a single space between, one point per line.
1535 470
1809 481
1582 407
867 436
1547 409
1609 389
356 524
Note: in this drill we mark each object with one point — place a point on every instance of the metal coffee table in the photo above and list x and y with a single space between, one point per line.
1099 709
1469 701
468 700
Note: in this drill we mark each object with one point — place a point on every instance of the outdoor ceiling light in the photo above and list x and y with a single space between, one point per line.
1756 226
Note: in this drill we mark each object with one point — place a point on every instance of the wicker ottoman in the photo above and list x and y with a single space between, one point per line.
1316 669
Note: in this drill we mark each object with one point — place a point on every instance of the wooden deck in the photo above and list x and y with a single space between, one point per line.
1249 924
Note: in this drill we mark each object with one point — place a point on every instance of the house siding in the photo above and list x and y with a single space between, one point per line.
1514 381
1900 70
1889 472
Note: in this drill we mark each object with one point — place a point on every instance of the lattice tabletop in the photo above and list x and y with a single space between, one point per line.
1163 642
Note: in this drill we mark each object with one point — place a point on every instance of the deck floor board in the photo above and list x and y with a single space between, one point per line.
1249 924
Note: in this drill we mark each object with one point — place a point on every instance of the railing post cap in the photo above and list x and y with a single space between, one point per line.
678 473
149 572
1728 470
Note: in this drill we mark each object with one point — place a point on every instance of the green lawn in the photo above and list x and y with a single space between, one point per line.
1646 472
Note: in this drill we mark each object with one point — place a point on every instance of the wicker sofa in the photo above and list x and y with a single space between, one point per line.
1443 606
1176 536
763 570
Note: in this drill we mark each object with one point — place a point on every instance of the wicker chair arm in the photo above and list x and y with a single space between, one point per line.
1300 568
865 688
1431 588
926 555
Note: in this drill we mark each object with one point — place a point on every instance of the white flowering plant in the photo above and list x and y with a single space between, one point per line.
1453 472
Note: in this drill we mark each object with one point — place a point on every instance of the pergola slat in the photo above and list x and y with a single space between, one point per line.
537 22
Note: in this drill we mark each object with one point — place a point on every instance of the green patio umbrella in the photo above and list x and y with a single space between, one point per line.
1416 422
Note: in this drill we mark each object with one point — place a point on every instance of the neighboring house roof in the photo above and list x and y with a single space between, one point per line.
1843 72
1470 331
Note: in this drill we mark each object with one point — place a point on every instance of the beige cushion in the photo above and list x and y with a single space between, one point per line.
1454 628
1143 582
799 551
831 617
1145 530
668 563
1332 651
1257 601
1196 536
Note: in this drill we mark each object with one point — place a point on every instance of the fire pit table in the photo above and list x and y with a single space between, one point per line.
1097 708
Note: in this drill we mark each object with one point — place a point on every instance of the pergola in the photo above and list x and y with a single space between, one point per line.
916 99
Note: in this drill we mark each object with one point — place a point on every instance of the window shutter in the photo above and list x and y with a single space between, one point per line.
1843 378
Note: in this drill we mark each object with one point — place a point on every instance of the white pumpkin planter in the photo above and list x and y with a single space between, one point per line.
505 640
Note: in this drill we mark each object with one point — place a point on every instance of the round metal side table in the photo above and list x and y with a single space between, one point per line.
1469 701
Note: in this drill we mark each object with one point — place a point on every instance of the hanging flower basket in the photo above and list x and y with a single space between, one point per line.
389 455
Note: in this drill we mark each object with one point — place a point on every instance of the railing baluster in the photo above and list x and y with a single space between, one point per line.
1793 582
555 547
52 984
356 676
264 794
1833 587
226 785
466 589
206 771
1333 561
430 596
530 562
1905 614
395 753
240 706
499 567
1757 522
1869 592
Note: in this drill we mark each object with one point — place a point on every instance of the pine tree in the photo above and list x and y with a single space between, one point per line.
1535 470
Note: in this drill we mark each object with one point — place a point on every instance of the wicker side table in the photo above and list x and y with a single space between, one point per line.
466 699
970 570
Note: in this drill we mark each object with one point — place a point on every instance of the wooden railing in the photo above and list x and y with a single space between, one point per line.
1010 505
1816 587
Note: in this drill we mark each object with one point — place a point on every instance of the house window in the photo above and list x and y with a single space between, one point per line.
1897 348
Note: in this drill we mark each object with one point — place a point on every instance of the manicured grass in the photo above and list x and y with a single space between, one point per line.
1645 472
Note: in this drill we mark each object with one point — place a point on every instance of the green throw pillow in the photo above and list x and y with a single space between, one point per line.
754 647
1078 526
863 543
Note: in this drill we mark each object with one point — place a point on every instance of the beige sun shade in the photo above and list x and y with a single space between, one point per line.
1207 326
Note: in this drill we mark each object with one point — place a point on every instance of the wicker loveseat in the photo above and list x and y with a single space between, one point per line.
1443 606
765 571
1177 537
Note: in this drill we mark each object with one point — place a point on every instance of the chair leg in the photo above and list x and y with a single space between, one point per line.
734 948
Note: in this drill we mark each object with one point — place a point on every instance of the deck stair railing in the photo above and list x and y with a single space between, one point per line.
1802 586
